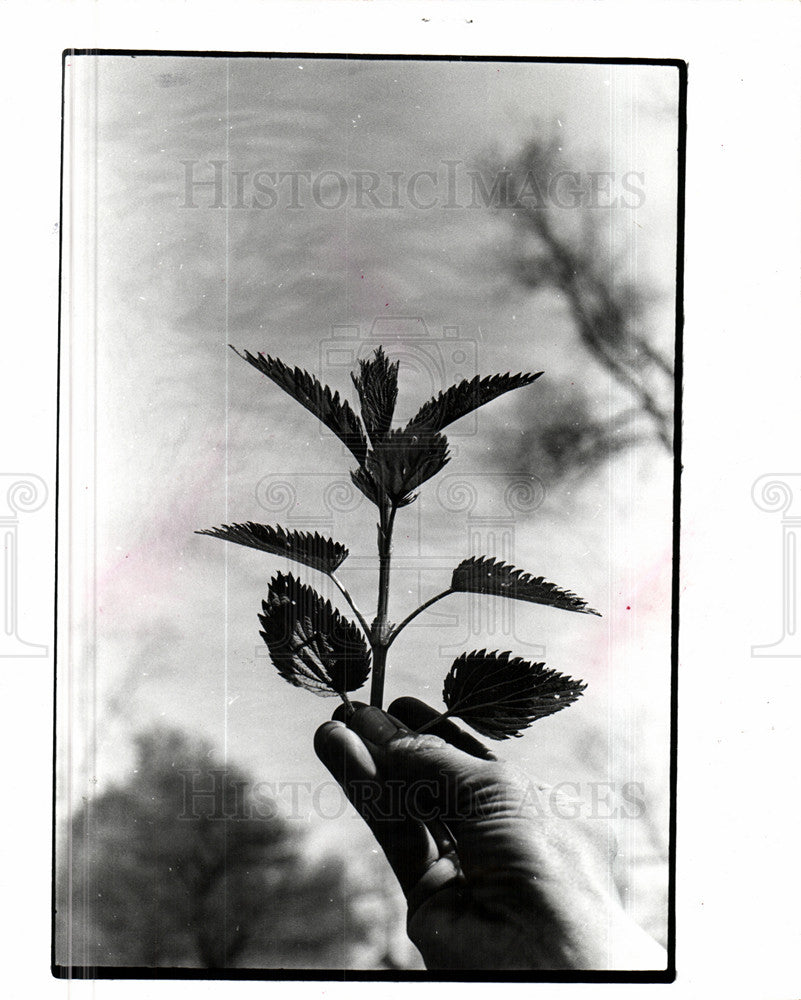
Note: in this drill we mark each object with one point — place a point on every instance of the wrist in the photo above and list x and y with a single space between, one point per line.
591 930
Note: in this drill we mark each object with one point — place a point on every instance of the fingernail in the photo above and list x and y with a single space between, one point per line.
374 725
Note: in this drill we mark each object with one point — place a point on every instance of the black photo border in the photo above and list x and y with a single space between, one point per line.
667 975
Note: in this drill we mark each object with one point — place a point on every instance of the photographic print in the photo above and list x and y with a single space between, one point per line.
368 515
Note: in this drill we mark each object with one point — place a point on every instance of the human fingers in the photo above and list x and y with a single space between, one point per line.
415 714
442 836
441 781
344 713
409 847
423 753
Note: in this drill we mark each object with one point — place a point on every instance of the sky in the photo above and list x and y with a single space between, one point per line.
188 237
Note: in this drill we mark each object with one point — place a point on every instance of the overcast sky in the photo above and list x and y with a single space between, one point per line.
188 436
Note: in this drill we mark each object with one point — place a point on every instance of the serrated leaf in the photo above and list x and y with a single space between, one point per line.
377 386
326 405
461 399
480 575
499 695
403 460
312 550
311 644
365 483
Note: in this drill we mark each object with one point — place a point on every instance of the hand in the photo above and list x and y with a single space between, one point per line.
494 876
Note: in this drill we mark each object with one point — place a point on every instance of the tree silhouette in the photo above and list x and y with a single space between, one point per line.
568 254
188 864
177 866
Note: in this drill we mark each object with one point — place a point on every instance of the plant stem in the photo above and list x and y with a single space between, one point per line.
432 722
352 604
379 640
379 667
432 600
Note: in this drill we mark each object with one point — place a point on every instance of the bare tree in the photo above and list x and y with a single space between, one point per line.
174 867
570 255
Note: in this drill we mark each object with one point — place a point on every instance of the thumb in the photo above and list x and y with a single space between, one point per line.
439 780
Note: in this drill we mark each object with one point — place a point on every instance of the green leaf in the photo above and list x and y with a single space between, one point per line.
461 399
312 550
403 460
480 575
336 414
377 385
311 644
499 697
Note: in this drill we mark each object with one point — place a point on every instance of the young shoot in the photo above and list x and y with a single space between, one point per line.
311 643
